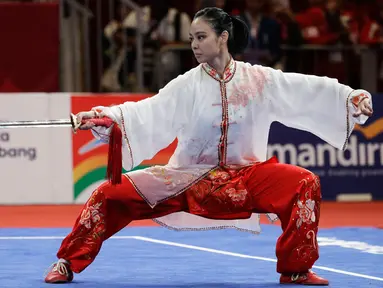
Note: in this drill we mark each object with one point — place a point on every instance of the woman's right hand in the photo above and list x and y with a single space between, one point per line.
81 117
88 119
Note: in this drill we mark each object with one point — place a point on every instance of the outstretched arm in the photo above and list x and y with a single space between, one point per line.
319 105
149 125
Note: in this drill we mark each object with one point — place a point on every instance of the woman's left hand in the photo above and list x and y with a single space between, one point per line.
364 108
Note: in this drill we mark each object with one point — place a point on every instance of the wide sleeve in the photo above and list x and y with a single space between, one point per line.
151 124
319 105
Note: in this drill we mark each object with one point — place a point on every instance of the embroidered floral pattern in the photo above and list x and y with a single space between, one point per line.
91 214
171 180
219 177
306 208
236 195
259 78
316 183
86 238
241 96
306 212
309 251
221 191
249 88
311 235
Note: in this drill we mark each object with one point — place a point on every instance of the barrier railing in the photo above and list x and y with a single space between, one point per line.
75 74
75 37
139 42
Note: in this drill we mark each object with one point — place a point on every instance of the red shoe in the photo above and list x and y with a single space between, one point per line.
59 273
308 278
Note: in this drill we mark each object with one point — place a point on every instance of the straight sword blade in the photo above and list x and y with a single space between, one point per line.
36 123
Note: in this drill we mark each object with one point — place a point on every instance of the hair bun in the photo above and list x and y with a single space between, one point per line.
240 33
221 21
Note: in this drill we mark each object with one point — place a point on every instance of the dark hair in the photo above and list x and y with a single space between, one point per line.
220 21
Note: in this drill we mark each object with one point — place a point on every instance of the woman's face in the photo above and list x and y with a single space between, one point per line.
205 43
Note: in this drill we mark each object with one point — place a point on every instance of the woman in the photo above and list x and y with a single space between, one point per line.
218 177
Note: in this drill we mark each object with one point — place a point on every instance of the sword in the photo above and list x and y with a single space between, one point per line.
71 122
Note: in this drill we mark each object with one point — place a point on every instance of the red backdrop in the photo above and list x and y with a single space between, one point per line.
29 47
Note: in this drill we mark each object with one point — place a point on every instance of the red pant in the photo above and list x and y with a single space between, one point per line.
290 192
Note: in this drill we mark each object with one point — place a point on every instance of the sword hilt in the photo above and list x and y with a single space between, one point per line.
101 122
104 121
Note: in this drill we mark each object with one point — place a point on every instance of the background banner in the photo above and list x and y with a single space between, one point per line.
35 163
357 170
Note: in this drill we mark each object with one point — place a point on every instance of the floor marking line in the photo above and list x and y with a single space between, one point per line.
193 247
250 257
52 237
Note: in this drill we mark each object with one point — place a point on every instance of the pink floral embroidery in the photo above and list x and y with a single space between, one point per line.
91 215
306 212
258 79
241 95
249 87
236 195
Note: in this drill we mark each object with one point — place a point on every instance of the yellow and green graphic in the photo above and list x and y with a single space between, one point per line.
90 155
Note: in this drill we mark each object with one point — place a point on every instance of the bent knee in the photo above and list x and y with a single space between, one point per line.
311 183
311 179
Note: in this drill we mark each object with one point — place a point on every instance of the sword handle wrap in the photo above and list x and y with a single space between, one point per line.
103 122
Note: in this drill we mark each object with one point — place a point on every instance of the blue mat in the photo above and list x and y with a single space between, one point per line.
157 257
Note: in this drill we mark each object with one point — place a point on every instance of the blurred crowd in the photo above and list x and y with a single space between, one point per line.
278 28
321 37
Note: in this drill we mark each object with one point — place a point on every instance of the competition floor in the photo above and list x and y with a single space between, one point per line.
143 255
